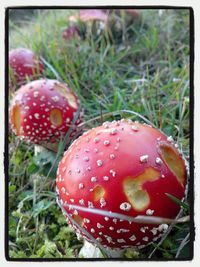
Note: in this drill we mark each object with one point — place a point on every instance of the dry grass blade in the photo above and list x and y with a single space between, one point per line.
165 235
84 231
114 113
182 245
137 219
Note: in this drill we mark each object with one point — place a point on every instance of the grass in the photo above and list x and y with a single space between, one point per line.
142 66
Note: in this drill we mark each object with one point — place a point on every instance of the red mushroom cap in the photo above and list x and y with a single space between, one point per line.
90 15
42 110
70 33
24 63
93 14
123 167
133 12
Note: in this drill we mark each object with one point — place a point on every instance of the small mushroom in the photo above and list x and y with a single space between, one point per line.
93 14
90 15
42 111
119 167
70 33
133 12
24 63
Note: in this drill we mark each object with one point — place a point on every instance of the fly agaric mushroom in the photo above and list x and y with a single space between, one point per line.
93 14
70 33
90 15
121 167
133 12
42 111
24 63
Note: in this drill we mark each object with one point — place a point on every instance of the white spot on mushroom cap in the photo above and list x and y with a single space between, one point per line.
99 163
145 238
93 179
162 227
96 139
99 226
123 231
154 230
135 128
55 98
35 93
90 205
109 239
143 229
63 190
125 206
121 240
86 159
106 178
112 156
159 161
149 212
170 139
102 202
86 220
132 238
81 201
113 131
113 173
80 186
37 116
115 220
106 142
144 158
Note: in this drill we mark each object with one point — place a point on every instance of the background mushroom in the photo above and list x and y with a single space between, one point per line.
24 64
121 167
70 33
42 111
133 72
90 15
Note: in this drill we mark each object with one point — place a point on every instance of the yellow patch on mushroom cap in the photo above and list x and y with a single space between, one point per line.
173 160
65 92
78 219
56 117
98 192
15 118
132 186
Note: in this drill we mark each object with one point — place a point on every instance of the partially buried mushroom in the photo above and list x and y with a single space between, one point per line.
23 64
42 111
121 167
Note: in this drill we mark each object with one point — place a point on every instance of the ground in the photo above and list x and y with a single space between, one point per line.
138 66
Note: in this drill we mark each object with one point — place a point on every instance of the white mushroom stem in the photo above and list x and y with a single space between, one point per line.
92 251
40 148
